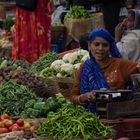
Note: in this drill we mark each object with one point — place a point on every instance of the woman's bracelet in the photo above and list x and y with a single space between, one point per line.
79 100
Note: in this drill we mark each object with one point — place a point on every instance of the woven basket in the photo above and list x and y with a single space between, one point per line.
64 86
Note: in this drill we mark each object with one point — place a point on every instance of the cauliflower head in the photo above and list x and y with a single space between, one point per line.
82 52
57 64
77 66
67 67
59 75
85 57
65 57
73 57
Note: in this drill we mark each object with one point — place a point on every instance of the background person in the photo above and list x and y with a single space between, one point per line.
127 35
32 32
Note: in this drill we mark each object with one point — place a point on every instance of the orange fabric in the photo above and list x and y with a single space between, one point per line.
117 72
31 37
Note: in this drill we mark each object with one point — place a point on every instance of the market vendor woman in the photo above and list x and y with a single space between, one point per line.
104 69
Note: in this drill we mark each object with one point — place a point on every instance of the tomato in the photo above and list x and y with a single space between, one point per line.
4 116
8 123
15 128
3 130
20 122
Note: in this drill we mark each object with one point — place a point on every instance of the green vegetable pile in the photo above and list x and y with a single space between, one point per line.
13 98
73 122
8 62
41 108
44 62
42 87
48 72
78 12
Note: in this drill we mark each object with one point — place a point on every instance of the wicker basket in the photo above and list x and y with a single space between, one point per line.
64 86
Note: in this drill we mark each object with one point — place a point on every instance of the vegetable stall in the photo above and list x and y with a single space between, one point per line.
34 97
30 106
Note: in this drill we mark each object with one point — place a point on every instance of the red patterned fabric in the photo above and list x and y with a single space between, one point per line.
31 36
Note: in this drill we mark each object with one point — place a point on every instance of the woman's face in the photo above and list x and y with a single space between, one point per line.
130 21
99 48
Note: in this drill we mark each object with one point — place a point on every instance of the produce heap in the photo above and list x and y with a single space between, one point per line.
78 12
41 108
15 64
41 86
66 66
7 124
44 62
73 122
24 92
13 98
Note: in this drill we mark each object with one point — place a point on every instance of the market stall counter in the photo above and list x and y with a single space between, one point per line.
129 128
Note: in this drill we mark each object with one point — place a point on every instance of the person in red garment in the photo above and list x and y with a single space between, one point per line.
32 29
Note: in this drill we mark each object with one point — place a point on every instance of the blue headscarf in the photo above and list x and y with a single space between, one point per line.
91 76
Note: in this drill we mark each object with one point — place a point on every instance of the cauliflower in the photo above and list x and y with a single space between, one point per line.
57 64
70 57
77 66
73 57
85 57
82 52
59 75
67 67
75 53
66 56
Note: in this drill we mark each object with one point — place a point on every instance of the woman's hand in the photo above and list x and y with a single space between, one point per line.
87 97
119 30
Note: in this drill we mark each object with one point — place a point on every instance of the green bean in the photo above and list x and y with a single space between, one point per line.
73 122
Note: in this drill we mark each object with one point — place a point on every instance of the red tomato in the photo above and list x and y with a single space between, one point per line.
8 123
20 122
15 128
4 116
3 130
14 125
